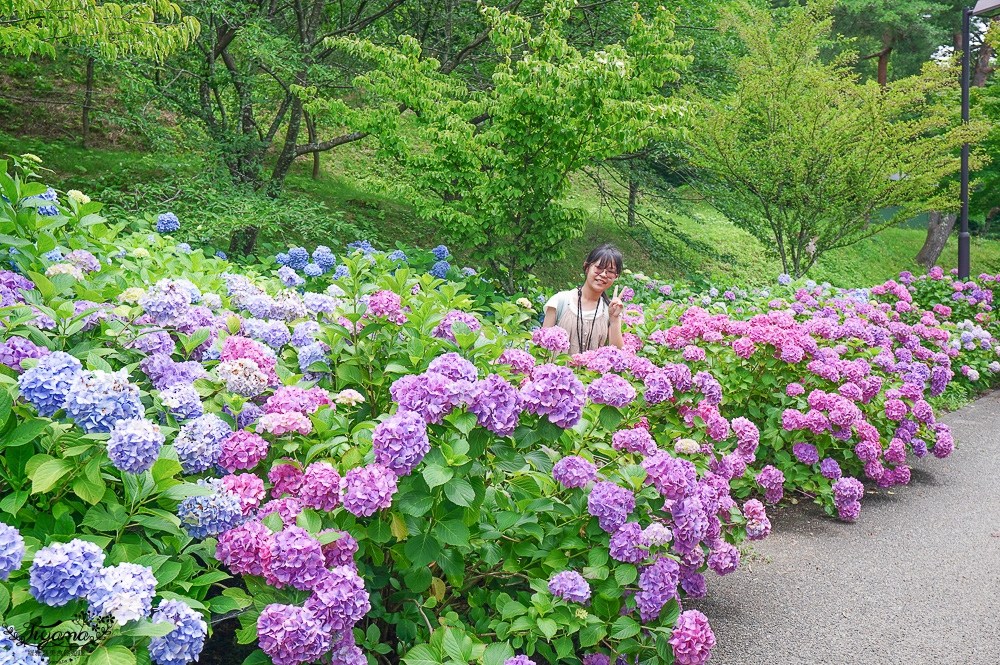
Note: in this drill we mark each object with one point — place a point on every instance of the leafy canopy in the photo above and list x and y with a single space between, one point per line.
149 29
491 167
805 157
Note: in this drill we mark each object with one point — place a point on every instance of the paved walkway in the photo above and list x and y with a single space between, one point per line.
916 580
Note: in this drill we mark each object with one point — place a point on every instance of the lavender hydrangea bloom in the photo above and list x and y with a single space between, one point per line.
166 302
758 525
445 329
554 391
709 386
829 468
691 523
658 387
289 277
124 592
340 552
296 558
657 585
455 367
596 659
273 333
626 544
305 333
339 599
245 549
610 504
806 453
553 338
519 659
291 635
612 390
401 442
183 401
11 550
184 643
570 585
366 489
211 514
574 471
635 440
46 385
63 572
655 535
520 361
772 480
16 652
198 443
346 652
692 638
84 260
430 394
497 405
16 349
163 372
134 445
673 477
724 559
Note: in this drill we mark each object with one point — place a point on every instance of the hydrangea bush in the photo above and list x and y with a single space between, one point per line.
364 461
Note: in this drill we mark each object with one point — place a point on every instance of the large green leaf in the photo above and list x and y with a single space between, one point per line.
422 654
116 655
460 492
453 532
422 549
48 474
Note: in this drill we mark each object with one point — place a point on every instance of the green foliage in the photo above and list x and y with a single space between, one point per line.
491 168
804 157
151 28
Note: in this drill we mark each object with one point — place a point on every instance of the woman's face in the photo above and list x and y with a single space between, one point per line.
600 277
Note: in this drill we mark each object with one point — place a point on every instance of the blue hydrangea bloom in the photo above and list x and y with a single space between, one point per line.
363 246
221 255
63 572
46 210
53 255
298 257
190 287
135 445
289 277
46 385
281 259
784 279
167 223
182 400
324 258
184 643
11 550
14 652
440 252
273 333
341 271
197 444
440 269
210 354
183 248
398 256
313 270
471 272
96 399
211 514
305 333
124 592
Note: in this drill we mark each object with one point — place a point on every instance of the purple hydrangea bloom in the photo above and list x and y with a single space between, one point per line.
184 643
11 550
553 338
520 361
166 302
124 592
772 480
610 504
613 390
635 440
289 277
806 453
758 525
657 585
829 468
519 659
444 330
210 514
497 404
292 635
339 599
305 333
692 638
401 442
242 450
626 544
198 443
691 523
724 559
273 333
658 387
673 477
245 549
455 367
163 372
134 445
848 489
709 386
554 391
16 349
340 552
296 558
430 394
367 489
63 572
150 341
574 471
570 585
84 260
46 385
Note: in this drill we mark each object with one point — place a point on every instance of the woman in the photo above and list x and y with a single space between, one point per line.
591 318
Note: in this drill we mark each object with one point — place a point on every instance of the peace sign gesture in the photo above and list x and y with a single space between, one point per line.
616 307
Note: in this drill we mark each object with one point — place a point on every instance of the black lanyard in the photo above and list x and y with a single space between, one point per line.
579 320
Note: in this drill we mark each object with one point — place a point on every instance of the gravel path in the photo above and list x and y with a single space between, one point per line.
914 581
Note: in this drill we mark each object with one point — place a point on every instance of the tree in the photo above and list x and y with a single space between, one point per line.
149 29
492 167
804 156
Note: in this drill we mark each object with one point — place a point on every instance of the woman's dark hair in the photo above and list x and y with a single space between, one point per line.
605 256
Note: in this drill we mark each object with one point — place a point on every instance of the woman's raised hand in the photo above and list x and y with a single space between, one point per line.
616 307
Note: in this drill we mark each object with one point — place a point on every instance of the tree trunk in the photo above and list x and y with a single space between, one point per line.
633 199
311 126
982 68
243 240
87 99
939 227
883 66
288 150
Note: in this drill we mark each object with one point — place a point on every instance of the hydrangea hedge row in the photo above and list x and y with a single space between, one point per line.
367 462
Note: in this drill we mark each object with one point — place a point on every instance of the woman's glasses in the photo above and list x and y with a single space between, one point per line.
608 272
